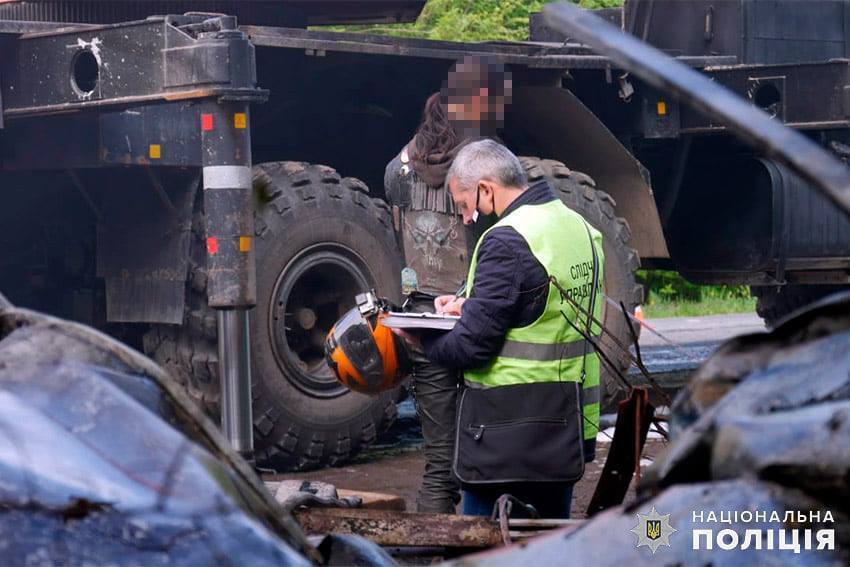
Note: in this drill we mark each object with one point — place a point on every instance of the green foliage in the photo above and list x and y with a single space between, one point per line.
666 286
471 20
669 295
596 4
661 309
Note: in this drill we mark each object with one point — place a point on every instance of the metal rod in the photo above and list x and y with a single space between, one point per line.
651 329
234 359
597 346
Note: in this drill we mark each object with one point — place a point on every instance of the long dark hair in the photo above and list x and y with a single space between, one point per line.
435 134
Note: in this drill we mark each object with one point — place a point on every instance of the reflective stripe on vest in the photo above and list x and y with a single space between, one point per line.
550 349
538 351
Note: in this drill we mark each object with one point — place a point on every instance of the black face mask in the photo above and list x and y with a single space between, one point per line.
477 200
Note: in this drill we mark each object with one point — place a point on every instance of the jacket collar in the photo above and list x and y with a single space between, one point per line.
537 194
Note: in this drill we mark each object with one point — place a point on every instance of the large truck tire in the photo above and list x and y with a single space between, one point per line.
773 303
320 240
578 191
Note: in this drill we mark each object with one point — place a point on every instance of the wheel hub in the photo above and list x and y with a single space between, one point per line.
312 292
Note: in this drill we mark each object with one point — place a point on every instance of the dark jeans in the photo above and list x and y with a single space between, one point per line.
551 499
435 391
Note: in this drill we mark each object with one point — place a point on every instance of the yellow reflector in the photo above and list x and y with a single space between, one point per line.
155 151
244 243
662 108
240 120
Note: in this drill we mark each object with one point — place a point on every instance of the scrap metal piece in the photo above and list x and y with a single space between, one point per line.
634 415
413 530
293 494
387 528
502 514
366 499
747 121
407 529
339 549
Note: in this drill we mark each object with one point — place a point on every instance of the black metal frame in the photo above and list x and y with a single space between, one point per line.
164 92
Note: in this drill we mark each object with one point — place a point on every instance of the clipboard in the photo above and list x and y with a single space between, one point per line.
419 321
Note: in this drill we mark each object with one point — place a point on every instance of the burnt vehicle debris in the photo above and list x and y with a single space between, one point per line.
104 460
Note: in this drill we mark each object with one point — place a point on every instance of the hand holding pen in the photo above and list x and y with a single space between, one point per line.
450 304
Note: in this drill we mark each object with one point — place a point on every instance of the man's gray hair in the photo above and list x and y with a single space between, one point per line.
488 160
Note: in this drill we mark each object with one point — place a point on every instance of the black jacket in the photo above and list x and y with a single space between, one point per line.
510 290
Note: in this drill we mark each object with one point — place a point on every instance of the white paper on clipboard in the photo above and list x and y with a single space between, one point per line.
413 321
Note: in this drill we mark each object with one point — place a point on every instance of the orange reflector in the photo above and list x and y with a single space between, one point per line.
240 120
212 245
244 243
155 151
661 107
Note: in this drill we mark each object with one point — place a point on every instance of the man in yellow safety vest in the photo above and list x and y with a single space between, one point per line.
529 411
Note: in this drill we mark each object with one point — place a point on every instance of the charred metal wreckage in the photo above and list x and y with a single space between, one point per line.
104 459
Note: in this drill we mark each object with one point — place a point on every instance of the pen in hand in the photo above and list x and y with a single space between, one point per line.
450 304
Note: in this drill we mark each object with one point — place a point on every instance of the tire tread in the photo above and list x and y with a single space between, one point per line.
189 352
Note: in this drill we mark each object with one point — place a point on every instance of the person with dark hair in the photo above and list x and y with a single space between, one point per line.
437 245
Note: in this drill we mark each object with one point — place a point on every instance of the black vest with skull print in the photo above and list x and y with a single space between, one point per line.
431 233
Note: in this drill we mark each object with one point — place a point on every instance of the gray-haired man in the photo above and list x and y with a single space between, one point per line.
529 412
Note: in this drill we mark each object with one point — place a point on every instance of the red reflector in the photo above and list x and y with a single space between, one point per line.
207 122
212 245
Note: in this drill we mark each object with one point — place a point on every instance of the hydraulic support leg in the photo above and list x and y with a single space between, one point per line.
235 369
231 285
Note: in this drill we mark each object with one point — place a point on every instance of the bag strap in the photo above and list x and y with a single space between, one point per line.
592 308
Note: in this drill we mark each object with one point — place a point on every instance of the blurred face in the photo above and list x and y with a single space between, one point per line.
469 104
468 109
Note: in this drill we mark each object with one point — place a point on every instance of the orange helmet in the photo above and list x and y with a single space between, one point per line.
364 355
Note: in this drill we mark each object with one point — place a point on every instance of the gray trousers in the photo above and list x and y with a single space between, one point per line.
435 390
